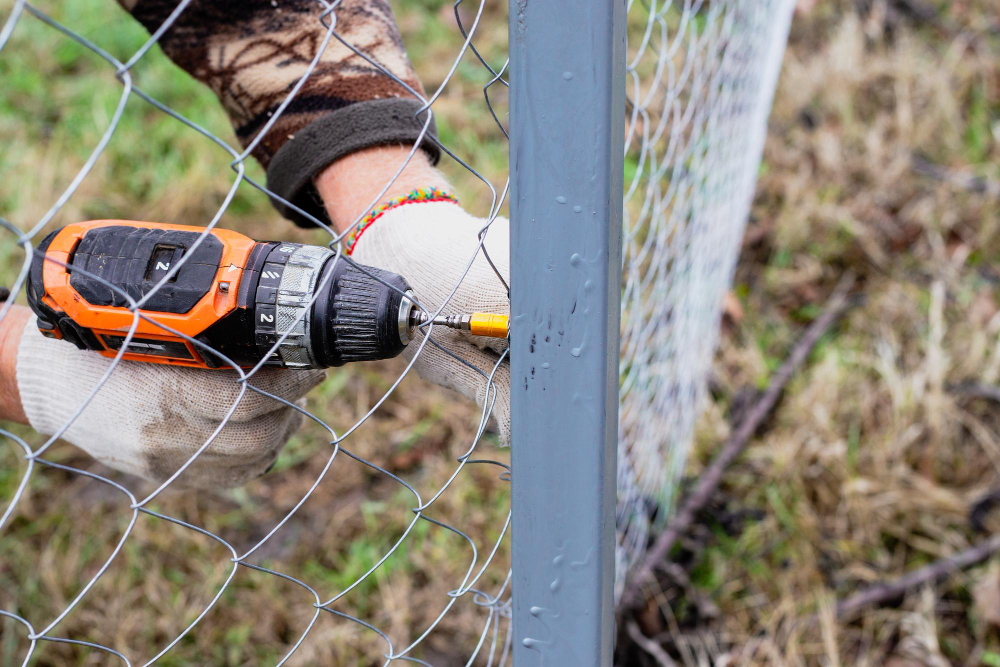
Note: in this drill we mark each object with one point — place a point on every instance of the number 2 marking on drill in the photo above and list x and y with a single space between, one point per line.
160 266
264 317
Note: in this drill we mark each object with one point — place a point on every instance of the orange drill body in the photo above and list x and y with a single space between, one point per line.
110 323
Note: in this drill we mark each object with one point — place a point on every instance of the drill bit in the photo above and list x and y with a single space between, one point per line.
492 325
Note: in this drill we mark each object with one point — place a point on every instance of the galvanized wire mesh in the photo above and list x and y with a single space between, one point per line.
701 77
700 80
494 639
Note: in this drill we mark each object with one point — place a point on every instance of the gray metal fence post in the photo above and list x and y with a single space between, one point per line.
567 102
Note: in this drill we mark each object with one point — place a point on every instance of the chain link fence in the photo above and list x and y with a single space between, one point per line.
700 76
323 604
699 85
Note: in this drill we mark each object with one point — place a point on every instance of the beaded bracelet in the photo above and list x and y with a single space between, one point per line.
413 197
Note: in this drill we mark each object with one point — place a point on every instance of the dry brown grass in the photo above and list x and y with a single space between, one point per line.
871 463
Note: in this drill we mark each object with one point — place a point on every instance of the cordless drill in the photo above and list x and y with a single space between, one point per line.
234 295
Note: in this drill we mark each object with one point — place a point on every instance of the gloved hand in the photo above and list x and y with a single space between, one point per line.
148 419
430 243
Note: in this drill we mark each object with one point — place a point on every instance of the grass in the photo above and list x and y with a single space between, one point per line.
866 471
871 463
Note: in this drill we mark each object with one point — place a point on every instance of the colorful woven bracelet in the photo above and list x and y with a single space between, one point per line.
413 197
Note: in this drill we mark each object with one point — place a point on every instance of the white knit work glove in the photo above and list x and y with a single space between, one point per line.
430 244
148 419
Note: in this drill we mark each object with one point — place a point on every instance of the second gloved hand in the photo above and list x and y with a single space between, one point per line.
431 244
148 419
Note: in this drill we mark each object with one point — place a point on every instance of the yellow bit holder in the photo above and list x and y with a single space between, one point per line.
489 324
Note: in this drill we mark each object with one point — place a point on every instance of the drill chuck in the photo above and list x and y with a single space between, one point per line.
321 311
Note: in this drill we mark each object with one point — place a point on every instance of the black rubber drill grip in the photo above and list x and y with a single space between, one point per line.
358 318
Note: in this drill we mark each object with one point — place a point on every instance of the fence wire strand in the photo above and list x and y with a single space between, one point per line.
699 80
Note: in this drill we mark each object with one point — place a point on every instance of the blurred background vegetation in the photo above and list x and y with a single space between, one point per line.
882 158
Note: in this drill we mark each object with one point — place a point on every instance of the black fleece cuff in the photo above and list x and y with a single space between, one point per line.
361 125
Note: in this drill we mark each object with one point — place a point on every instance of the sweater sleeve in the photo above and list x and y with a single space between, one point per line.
253 52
